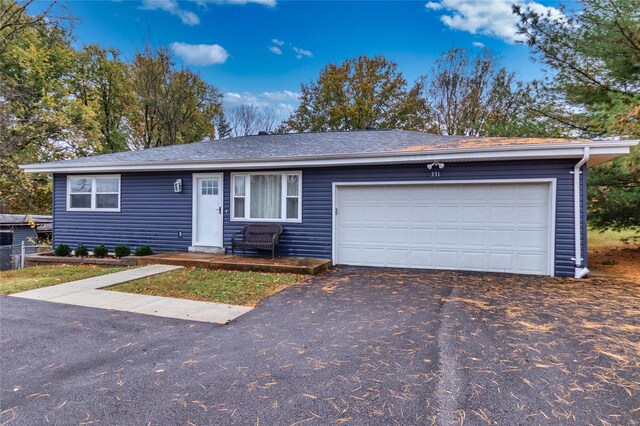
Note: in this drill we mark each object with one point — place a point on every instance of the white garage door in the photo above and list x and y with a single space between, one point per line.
499 227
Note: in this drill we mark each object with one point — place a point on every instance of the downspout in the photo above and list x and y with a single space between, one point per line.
580 271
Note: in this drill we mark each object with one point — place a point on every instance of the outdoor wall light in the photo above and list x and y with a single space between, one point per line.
177 185
435 164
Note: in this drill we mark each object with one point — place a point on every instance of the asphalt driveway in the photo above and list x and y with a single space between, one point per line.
354 346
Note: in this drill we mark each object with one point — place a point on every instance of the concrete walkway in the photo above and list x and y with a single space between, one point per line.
86 293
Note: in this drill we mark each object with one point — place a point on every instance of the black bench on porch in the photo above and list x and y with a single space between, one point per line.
257 236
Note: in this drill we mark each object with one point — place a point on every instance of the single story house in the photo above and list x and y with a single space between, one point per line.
388 198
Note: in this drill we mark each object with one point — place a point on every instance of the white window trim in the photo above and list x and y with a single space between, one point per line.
247 197
93 193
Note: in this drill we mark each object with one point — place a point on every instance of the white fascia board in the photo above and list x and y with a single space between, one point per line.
605 150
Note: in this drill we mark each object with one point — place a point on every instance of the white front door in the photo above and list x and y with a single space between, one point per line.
499 227
207 210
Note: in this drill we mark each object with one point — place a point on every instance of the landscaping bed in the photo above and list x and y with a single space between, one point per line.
230 287
44 276
49 258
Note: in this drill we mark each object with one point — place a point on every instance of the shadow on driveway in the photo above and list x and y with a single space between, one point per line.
353 346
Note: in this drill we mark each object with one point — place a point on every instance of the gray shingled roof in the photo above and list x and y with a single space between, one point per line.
23 219
299 145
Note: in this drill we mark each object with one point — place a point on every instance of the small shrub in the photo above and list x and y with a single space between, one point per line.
144 251
62 250
100 251
122 251
81 250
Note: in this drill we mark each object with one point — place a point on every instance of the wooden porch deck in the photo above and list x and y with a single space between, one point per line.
294 265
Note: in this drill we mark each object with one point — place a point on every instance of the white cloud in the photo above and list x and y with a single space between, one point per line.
275 50
173 8
281 95
269 3
200 54
490 17
478 44
433 5
302 52
242 98
283 102
276 41
284 110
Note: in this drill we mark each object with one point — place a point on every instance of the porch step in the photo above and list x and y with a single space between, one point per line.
293 265
207 249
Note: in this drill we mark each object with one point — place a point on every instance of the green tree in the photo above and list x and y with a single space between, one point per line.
102 84
593 61
170 106
149 70
39 119
358 93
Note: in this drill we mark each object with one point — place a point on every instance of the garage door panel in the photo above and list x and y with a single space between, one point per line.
399 213
397 235
484 227
424 214
447 214
397 257
474 260
374 256
447 237
422 258
530 262
501 262
423 236
532 215
474 238
446 259
373 234
536 193
502 215
532 239
474 214
350 255
350 234
500 239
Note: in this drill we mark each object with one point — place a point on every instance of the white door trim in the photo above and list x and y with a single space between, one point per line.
194 207
552 204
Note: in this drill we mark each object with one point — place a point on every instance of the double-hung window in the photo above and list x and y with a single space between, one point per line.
99 193
268 196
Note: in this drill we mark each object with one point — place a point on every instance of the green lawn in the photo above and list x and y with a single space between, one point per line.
44 276
231 287
598 239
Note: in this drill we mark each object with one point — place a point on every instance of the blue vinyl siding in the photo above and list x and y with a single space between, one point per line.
24 233
151 213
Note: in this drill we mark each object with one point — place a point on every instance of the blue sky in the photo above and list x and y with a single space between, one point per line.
259 51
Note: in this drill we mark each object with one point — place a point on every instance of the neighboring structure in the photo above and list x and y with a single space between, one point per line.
378 198
18 228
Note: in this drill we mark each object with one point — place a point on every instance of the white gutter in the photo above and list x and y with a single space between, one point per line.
580 271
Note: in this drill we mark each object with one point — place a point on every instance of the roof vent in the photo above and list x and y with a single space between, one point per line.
371 128
263 133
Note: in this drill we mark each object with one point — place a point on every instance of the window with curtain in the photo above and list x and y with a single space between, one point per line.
93 193
267 196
